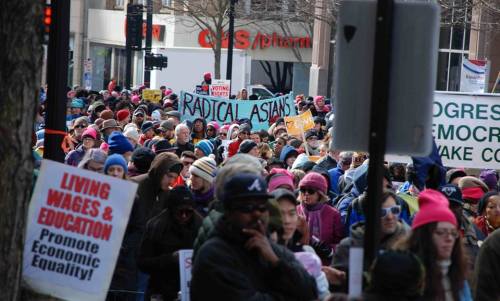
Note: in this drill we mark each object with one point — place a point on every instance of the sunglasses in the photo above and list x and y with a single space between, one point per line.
394 210
308 190
249 208
80 126
223 134
245 133
210 129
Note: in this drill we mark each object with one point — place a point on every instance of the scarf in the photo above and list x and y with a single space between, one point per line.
313 216
202 200
472 194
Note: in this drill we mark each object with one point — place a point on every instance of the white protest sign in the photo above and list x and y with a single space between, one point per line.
473 76
467 129
76 222
185 266
220 88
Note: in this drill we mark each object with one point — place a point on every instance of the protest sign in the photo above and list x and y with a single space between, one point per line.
473 76
192 106
220 88
76 222
202 90
467 129
152 95
185 266
296 125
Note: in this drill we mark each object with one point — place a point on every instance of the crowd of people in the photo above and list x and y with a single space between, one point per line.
267 219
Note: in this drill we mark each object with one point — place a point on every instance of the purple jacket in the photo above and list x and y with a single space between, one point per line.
331 230
74 157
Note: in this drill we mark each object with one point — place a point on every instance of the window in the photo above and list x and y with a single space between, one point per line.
166 3
119 4
453 45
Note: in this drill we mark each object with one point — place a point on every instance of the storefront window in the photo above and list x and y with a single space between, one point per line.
101 62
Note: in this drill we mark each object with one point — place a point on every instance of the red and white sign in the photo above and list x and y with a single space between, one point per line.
220 88
243 40
76 222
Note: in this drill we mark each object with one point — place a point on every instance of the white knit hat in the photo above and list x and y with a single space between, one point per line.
132 133
204 168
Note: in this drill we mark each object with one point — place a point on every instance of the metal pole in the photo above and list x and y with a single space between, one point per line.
229 70
128 52
149 37
57 80
378 127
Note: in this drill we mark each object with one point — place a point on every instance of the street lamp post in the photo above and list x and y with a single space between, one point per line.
229 70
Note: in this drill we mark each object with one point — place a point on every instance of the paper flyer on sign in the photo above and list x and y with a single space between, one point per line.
185 266
220 88
76 223
473 76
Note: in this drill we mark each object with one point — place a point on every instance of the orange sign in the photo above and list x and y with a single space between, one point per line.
243 40
296 125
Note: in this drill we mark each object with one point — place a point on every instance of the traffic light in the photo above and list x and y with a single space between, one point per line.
155 61
47 20
47 17
134 26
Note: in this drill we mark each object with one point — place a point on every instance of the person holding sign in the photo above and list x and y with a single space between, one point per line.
239 261
175 228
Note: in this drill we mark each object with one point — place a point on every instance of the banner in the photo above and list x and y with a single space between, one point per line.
467 130
192 106
473 76
152 95
76 222
220 88
185 267
295 125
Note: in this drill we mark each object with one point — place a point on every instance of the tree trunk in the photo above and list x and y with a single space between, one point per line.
217 53
20 70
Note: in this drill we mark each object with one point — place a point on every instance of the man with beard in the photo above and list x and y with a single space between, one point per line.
239 262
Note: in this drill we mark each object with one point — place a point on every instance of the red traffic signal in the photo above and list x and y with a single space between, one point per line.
47 17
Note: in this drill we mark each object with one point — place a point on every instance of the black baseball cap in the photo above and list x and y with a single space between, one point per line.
452 193
243 186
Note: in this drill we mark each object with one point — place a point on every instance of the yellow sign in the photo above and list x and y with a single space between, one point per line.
314 158
151 95
295 125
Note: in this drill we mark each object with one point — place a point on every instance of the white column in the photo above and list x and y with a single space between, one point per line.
318 76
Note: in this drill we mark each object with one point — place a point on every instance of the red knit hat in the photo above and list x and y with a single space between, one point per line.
315 181
122 114
433 208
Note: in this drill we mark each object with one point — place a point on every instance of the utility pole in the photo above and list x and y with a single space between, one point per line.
378 126
149 37
229 70
57 80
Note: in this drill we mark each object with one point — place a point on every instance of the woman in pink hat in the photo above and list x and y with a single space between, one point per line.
435 238
325 226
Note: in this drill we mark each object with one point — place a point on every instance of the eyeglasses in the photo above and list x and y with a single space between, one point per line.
394 210
80 126
444 233
308 190
249 208
245 133
210 129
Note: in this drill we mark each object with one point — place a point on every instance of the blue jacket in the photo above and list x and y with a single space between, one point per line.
335 174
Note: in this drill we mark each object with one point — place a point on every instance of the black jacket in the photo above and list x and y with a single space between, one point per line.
487 270
225 270
162 238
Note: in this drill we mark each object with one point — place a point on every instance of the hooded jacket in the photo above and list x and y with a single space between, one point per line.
162 238
287 150
150 197
225 270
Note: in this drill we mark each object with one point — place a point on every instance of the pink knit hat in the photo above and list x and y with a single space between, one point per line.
278 177
215 125
315 181
433 208
90 132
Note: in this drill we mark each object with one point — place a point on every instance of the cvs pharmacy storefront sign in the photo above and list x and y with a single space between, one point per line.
243 40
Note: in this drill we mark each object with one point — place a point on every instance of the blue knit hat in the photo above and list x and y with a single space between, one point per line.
205 146
115 159
119 144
